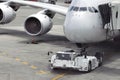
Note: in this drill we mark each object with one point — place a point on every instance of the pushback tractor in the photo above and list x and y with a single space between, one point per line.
77 61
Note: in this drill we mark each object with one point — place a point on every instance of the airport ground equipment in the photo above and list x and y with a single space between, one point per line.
77 61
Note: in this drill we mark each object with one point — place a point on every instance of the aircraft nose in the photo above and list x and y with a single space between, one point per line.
83 29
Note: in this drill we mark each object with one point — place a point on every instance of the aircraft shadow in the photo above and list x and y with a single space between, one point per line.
47 38
111 49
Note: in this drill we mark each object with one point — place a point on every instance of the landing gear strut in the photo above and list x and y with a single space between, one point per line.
83 48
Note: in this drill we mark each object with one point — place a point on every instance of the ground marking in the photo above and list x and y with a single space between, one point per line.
58 76
41 72
33 67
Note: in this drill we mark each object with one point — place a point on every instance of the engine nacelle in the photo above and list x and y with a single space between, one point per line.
38 24
7 14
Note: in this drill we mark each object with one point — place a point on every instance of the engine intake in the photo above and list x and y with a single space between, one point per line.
38 24
32 25
7 14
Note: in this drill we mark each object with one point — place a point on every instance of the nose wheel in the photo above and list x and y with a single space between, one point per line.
79 45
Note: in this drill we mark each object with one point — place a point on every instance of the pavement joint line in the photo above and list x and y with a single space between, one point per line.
58 76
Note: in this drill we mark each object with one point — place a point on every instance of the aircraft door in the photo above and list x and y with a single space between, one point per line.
115 19
105 12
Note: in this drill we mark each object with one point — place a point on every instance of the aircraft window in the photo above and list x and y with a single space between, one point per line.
92 9
117 14
83 9
71 8
75 8
95 10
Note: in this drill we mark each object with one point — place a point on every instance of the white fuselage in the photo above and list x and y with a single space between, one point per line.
83 23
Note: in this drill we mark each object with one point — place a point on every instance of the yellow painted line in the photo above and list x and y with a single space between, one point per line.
41 72
24 62
17 59
1 55
4 53
58 76
33 67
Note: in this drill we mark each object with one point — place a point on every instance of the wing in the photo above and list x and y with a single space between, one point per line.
55 8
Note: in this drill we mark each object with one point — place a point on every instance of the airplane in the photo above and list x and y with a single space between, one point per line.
86 21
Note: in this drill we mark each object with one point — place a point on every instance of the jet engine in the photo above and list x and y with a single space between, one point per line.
7 14
38 24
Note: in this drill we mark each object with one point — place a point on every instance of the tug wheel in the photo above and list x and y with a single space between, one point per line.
99 56
51 67
89 67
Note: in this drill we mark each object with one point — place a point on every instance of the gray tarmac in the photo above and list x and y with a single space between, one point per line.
22 60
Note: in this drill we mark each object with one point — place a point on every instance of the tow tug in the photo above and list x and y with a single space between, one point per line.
77 61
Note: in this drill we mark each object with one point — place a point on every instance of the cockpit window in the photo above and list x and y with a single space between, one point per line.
92 9
75 8
83 9
95 10
71 8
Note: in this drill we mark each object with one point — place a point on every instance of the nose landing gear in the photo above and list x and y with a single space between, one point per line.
79 45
